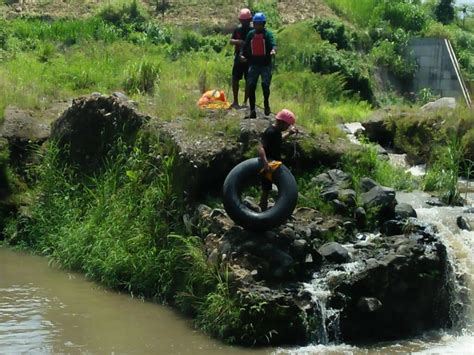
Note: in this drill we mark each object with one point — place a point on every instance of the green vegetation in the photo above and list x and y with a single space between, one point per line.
367 163
444 172
119 229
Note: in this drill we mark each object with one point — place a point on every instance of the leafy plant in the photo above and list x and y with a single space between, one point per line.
444 172
142 77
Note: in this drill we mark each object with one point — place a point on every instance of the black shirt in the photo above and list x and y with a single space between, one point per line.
240 33
271 142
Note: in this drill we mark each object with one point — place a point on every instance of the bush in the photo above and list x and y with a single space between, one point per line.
443 174
334 32
403 14
392 54
142 77
123 14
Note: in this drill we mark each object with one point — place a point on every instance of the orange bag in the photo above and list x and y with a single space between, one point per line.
213 99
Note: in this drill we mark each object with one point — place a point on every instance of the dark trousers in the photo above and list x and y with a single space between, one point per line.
255 71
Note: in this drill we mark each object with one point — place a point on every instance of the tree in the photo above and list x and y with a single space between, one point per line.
444 11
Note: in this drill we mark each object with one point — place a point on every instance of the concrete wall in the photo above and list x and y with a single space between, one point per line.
438 69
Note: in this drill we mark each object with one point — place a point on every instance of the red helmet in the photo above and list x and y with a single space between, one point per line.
245 14
286 116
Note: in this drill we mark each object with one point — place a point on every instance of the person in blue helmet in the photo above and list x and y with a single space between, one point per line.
258 50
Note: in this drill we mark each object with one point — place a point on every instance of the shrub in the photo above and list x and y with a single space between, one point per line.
444 11
392 52
403 14
443 173
334 32
124 14
142 77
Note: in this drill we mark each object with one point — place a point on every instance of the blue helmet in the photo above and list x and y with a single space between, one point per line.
259 17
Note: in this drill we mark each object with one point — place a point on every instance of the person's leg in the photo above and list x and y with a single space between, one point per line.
266 81
266 188
235 91
252 80
246 71
237 75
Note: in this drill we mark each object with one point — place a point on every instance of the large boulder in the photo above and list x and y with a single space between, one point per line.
88 129
403 288
443 103
381 200
334 252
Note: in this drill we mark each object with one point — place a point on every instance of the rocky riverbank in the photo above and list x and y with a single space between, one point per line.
364 269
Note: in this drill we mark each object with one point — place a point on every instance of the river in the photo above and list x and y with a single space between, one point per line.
46 310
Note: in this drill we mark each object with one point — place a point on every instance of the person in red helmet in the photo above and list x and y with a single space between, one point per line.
240 69
270 148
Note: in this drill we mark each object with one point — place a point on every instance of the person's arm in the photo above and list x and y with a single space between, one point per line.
234 40
272 43
263 156
291 131
243 48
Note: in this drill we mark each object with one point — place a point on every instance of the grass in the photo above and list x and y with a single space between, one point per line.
366 163
360 14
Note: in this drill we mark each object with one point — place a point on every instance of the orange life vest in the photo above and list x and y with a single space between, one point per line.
257 45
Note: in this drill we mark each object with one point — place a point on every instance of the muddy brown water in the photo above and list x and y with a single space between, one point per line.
46 310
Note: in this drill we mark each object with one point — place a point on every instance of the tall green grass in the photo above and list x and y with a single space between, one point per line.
359 12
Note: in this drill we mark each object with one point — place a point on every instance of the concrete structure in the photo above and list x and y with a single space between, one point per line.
438 69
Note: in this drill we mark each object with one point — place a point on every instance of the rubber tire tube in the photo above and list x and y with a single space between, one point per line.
248 172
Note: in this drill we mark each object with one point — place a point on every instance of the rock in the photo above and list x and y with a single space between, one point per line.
348 197
333 178
299 247
393 227
404 210
381 152
435 202
381 199
367 184
468 210
23 125
213 258
251 204
369 304
442 103
334 252
463 223
330 193
91 126
340 207
360 217
287 233
378 128
400 276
